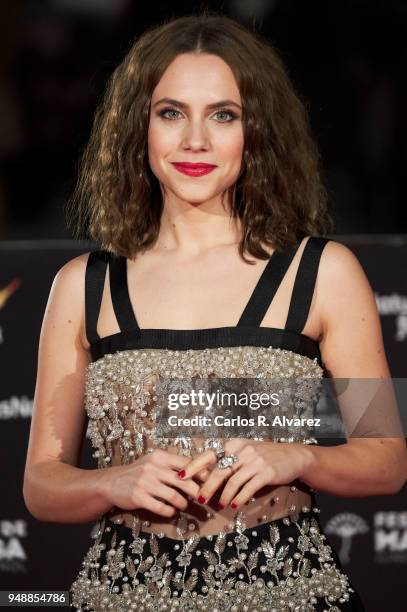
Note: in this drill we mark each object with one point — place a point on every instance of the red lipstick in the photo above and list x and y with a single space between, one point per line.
198 169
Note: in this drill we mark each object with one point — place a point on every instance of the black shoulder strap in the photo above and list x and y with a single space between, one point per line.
94 283
267 286
119 291
304 284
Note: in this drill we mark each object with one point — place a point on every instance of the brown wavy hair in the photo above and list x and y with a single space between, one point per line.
279 196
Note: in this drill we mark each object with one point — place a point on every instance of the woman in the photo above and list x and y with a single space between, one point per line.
200 154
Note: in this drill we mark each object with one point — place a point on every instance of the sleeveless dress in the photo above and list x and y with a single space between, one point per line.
272 555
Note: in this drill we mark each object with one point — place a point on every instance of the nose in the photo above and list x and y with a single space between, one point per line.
195 136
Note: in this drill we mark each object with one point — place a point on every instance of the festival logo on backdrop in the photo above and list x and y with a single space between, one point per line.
390 537
5 294
394 305
346 526
12 553
16 407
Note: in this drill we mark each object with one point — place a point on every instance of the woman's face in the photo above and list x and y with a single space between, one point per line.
196 118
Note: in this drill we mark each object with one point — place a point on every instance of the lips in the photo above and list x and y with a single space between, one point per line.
193 169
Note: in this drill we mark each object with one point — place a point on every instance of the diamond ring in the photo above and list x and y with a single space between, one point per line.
217 447
227 461
220 453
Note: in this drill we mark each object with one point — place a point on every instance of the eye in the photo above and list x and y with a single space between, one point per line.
230 116
224 116
166 113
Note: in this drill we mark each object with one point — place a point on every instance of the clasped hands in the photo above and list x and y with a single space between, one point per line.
162 482
260 463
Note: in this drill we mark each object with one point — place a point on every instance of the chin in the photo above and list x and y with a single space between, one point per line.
196 196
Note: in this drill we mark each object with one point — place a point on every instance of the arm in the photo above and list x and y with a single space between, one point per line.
352 347
54 488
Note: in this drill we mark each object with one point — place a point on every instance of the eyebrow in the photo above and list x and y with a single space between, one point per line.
209 106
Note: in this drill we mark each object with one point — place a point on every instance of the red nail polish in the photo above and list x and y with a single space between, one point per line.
233 505
181 474
221 506
201 500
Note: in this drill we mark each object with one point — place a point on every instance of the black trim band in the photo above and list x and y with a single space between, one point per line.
216 337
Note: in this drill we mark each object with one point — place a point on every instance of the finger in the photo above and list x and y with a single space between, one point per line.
170 495
212 484
235 483
161 458
251 487
158 507
197 464
177 462
189 487
203 475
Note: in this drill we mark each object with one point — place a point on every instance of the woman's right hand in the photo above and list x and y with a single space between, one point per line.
151 482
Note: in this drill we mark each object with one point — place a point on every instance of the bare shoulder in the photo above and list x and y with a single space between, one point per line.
352 344
70 278
341 277
73 271
67 294
340 260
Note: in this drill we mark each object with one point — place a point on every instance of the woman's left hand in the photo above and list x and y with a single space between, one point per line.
259 464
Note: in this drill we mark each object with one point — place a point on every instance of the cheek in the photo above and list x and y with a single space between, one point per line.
231 148
154 143
160 143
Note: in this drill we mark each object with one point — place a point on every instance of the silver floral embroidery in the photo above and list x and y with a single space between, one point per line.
286 582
